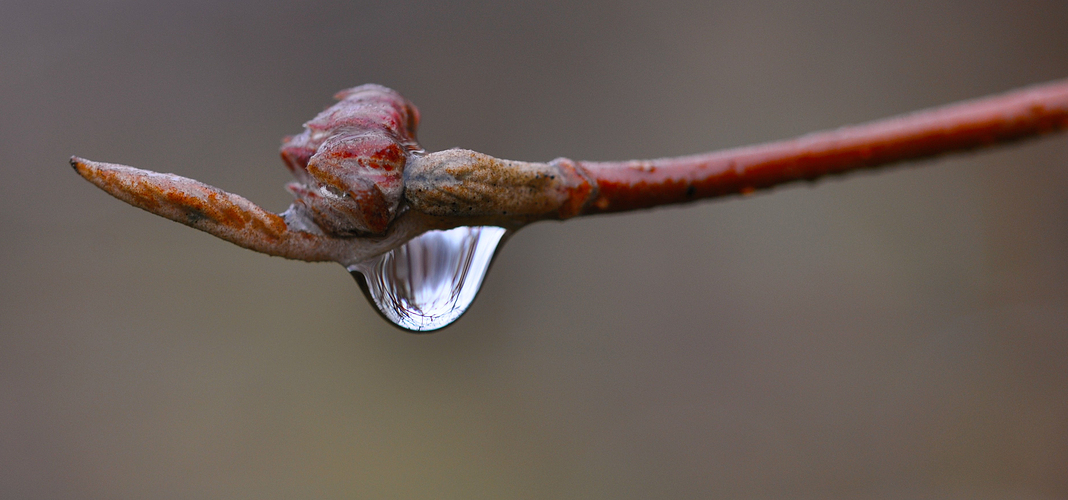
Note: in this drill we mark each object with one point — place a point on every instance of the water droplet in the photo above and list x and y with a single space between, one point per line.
430 281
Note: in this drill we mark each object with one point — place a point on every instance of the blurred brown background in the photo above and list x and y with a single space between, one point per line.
893 335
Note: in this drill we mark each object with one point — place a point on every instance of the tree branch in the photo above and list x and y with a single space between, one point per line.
365 187
989 121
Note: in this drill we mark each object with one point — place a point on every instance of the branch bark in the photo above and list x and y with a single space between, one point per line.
989 121
351 204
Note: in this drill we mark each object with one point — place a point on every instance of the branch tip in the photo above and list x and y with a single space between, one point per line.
204 207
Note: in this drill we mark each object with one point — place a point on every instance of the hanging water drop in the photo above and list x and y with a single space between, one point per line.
431 280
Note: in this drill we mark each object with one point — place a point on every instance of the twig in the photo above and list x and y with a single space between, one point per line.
365 187
989 121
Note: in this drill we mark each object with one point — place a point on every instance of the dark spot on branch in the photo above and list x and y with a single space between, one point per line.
195 216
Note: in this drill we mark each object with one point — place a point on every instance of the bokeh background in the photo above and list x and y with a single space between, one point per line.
900 334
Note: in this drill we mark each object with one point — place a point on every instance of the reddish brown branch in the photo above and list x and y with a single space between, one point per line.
967 125
364 186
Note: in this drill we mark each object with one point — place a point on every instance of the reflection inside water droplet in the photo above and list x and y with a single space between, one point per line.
430 281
